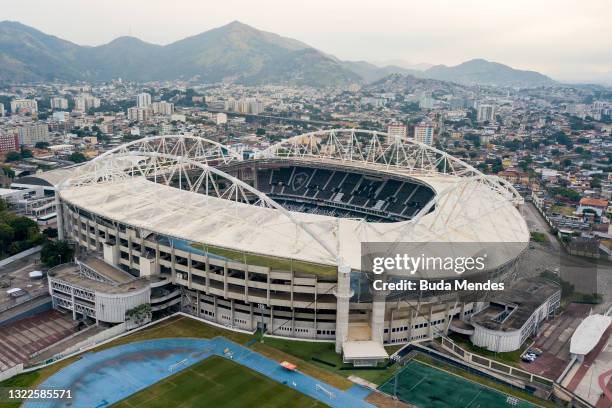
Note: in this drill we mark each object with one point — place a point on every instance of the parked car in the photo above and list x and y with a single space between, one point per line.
528 357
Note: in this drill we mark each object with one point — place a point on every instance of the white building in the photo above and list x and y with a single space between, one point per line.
1 110
143 100
245 105
33 133
397 131
139 114
486 113
83 103
588 334
510 318
61 117
424 133
59 103
426 102
178 117
94 289
24 106
220 118
373 102
165 128
162 108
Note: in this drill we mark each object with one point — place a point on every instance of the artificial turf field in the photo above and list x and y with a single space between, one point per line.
428 387
218 382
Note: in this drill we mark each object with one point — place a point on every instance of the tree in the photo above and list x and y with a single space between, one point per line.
77 157
8 171
55 252
25 153
565 192
595 183
7 235
12 156
562 138
24 228
41 145
260 131
50 233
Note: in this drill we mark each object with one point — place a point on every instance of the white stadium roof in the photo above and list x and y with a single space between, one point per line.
244 227
588 333
468 207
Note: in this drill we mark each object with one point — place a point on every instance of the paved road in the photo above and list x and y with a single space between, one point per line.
537 223
585 274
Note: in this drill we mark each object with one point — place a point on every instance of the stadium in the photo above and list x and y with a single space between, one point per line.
273 240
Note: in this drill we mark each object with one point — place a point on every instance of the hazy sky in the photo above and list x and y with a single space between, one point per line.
566 39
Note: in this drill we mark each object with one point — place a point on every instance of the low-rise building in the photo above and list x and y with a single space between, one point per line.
511 317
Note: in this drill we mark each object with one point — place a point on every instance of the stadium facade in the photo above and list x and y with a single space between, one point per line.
273 240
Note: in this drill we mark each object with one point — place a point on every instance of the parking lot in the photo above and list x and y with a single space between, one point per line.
554 340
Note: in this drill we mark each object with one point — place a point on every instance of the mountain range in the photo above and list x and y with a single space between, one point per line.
235 53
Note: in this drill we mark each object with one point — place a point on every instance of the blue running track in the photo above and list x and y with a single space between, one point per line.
102 378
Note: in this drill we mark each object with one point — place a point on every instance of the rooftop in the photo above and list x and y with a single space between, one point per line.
71 274
593 202
519 301
197 218
588 333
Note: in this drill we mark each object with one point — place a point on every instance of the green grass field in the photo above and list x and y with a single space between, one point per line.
426 386
218 382
279 349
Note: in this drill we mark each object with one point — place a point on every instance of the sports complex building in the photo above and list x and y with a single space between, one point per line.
273 240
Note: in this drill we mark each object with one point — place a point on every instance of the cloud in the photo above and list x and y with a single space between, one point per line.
561 38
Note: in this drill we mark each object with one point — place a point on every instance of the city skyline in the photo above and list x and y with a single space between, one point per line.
576 37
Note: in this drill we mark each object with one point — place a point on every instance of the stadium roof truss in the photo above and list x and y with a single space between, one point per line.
188 163
379 150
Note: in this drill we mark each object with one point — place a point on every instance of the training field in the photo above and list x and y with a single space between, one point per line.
218 382
428 387
189 372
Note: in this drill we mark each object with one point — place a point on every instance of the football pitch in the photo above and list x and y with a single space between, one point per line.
218 382
429 387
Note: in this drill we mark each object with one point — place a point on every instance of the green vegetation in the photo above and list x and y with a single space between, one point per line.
225 384
562 209
475 380
139 314
173 327
568 294
179 327
32 379
565 192
319 360
17 233
7 170
187 327
512 358
77 157
561 138
589 298
12 156
269 261
539 237
54 253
